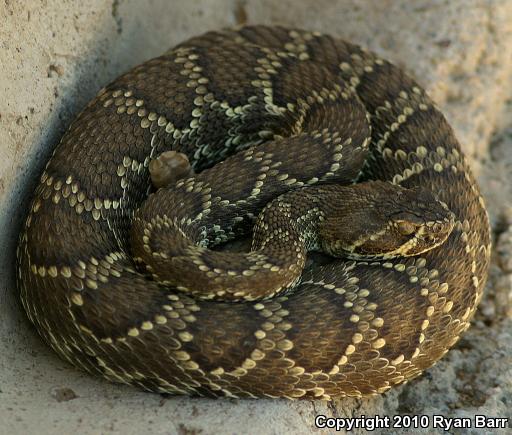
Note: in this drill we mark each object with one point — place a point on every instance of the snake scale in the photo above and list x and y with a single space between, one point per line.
282 110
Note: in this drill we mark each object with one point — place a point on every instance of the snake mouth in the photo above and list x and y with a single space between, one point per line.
388 243
432 235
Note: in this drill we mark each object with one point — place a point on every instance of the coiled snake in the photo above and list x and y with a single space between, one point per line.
296 111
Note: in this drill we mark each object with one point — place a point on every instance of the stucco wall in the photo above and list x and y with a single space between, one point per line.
55 56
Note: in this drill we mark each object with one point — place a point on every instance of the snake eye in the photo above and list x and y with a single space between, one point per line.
405 228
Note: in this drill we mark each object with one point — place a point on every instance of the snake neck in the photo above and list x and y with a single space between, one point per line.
178 252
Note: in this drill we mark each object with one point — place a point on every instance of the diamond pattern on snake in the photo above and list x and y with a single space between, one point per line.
308 142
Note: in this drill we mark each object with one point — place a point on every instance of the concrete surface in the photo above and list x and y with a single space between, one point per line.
55 55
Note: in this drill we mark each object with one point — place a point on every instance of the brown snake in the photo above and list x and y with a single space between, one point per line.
294 109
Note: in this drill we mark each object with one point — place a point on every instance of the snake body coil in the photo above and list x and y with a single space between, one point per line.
271 97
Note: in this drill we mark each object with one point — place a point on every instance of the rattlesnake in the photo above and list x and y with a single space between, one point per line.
296 109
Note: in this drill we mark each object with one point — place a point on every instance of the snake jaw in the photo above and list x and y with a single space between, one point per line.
432 235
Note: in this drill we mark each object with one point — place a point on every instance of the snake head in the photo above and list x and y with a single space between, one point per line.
382 221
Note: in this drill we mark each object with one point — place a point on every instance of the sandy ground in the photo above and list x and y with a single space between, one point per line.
56 55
